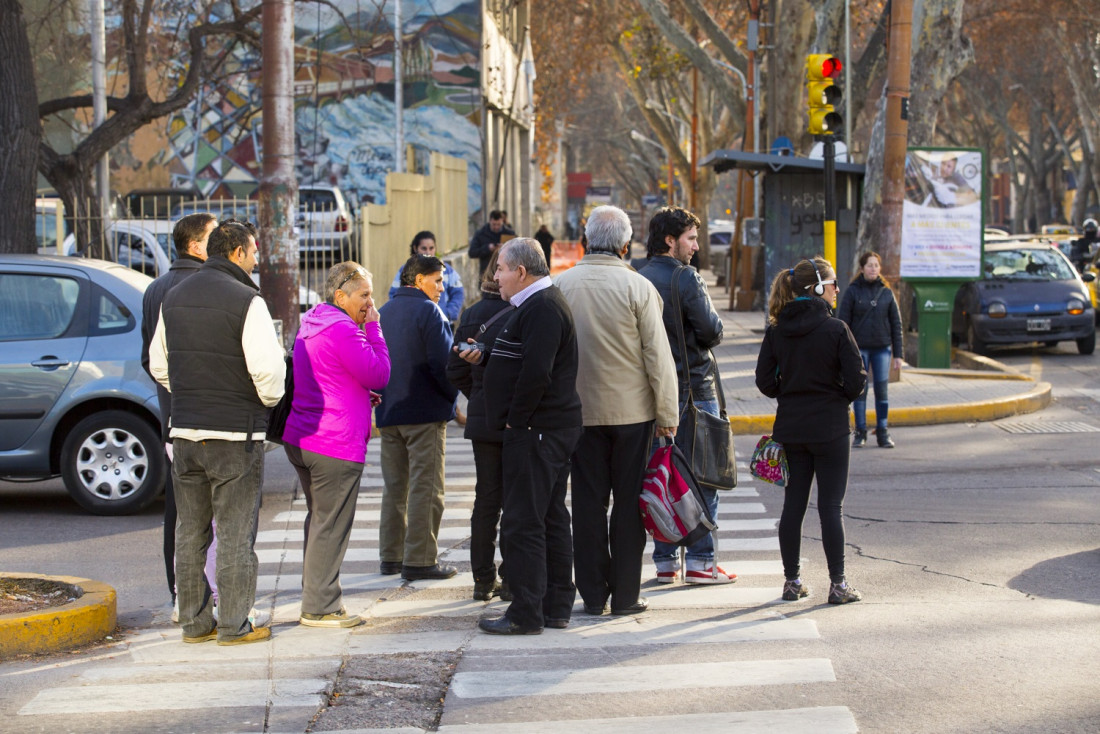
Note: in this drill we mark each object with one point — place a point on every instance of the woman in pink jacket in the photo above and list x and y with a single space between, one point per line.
340 357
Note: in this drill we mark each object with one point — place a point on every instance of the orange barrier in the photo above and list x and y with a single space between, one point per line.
564 255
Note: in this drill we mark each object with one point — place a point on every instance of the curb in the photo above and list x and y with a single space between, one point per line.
90 618
988 410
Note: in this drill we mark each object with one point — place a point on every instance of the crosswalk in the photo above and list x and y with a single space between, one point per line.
715 658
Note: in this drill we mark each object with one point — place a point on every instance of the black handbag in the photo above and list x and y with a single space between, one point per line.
705 439
278 415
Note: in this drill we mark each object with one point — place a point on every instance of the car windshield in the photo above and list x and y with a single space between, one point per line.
1027 264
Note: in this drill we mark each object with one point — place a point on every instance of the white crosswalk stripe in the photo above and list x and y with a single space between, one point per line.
743 624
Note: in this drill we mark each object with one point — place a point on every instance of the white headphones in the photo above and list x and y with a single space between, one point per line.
819 287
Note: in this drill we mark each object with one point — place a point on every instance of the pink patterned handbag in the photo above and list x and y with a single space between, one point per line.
769 462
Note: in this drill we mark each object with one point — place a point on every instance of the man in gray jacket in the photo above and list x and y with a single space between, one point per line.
627 384
673 239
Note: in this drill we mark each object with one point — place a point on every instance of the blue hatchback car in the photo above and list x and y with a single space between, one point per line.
1029 292
74 399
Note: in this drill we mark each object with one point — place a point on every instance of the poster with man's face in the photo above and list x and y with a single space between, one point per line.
941 232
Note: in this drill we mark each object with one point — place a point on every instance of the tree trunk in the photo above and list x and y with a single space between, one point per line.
20 132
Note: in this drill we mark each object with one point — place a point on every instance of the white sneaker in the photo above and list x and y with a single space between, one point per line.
176 610
707 572
667 571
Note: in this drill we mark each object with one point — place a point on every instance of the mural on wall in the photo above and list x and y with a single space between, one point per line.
344 108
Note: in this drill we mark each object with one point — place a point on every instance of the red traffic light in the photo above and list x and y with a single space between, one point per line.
823 66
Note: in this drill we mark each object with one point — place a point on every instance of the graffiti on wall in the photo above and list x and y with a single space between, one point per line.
344 102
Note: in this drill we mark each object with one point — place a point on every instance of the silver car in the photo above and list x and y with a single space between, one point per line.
74 399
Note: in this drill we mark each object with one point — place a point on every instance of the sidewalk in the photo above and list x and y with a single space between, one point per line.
923 397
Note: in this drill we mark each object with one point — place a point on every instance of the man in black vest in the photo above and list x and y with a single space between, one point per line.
215 349
190 236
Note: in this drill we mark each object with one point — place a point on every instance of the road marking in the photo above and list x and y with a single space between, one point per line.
631 678
817 720
180 694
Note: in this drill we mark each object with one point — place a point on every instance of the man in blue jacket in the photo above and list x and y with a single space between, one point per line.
412 421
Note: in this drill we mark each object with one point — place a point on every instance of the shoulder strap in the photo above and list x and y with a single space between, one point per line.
683 344
485 327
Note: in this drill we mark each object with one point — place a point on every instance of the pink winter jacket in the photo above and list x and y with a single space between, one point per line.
336 365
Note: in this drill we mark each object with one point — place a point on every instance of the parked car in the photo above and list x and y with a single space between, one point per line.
324 221
719 235
1029 291
74 399
49 225
157 203
144 245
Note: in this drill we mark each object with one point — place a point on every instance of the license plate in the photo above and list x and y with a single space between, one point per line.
1038 324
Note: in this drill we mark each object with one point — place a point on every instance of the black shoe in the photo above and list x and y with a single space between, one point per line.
485 590
389 568
505 626
556 623
505 593
594 610
636 608
859 439
884 440
438 571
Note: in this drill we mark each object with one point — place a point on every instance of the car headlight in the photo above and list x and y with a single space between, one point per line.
997 310
1075 307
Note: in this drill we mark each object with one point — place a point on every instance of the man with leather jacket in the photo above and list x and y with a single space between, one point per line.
1082 247
673 239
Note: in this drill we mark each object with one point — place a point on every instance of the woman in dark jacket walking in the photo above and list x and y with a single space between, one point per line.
480 324
811 364
871 312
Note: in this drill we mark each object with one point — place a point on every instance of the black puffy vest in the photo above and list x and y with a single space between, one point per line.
203 321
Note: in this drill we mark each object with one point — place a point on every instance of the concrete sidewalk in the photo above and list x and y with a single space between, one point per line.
984 390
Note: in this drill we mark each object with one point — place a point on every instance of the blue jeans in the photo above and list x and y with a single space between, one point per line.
877 363
703 549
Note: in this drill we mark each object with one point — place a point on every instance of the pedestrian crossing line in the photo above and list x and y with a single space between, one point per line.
770 543
671 598
636 678
181 694
768 523
292 582
815 720
367 507
738 566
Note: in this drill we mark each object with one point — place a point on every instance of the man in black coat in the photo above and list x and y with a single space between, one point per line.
530 393
487 239
189 235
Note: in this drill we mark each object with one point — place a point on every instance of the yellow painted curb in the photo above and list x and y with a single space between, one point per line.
91 617
982 410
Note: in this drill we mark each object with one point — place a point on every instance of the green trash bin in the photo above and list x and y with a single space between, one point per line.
935 302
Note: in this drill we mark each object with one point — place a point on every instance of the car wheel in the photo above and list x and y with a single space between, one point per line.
973 343
113 463
1087 344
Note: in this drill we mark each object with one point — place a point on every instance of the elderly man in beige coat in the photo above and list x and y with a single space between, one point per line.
628 387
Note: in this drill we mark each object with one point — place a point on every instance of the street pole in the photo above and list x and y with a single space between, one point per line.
99 110
829 144
897 136
278 206
742 297
398 92
694 136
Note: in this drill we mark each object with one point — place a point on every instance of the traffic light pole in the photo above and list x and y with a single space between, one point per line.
829 142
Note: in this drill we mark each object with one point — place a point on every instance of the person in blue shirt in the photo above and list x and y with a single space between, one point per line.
453 295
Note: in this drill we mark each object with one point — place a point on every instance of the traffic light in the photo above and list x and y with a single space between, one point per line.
823 94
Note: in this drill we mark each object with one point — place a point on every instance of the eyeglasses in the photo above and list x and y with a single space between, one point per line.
357 273
830 282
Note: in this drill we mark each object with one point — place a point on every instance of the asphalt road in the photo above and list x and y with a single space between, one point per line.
977 549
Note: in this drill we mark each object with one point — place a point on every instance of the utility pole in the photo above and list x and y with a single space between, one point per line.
279 185
398 92
99 112
897 136
742 297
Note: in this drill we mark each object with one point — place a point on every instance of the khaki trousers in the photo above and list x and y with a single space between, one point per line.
412 500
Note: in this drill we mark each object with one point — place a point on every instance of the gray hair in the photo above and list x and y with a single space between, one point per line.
607 230
526 252
339 275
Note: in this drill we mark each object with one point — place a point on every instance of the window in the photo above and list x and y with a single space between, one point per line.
109 316
36 306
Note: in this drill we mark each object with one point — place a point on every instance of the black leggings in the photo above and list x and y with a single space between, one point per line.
828 461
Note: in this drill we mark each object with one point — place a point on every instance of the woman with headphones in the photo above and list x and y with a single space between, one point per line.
810 362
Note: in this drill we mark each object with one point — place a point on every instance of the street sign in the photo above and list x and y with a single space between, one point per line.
651 200
598 195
